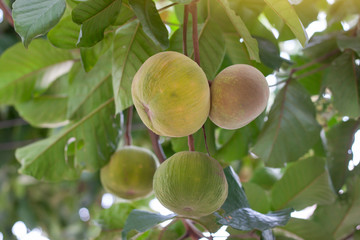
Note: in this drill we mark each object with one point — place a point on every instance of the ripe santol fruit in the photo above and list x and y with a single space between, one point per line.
171 94
191 184
239 94
129 173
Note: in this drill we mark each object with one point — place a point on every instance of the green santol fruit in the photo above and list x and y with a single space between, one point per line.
129 173
239 94
191 184
171 94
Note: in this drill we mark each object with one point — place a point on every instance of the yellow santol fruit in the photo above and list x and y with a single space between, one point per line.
171 94
239 94
191 184
129 173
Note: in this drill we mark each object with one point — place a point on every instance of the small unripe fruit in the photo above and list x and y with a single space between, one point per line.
239 94
171 94
129 173
191 184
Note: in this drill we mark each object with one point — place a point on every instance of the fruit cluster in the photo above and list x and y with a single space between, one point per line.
172 97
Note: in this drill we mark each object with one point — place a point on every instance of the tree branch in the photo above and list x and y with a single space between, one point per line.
7 13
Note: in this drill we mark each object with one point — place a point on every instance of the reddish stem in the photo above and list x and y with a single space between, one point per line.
186 18
191 143
7 13
195 37
157 146
128 139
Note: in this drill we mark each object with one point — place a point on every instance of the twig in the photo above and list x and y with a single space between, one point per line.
14 145
312 71
157 146
7 13
12 123
128 139
191 231
317 60
166 7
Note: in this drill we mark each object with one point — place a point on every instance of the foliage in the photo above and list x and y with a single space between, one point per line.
66 69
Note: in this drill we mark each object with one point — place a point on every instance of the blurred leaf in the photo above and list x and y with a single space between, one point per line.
114 218
257 197
150 20
181 1
247 219
266 177
48 109
291 128
85 96
345 42
236 197
36 17
339 140
94 139
344 212
65 34
320 45
269 53
228 16
20 68
305 229
131 48
284 9
305 182
343 83
141 221
94 16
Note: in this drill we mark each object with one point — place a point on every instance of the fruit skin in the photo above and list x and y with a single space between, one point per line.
129 173
239 94
171 94
191 184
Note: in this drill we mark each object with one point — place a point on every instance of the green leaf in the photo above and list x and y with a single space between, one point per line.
247 219
95 16
257 197
346 42
305 229
85 96
339 140
146 12
90 56
114 218
304 183
269 53
344 212
284 10
131 48
86 144
291 128
239 28
65 34
48 109
20 69
36 17
236 197
344 85
266 177
143 220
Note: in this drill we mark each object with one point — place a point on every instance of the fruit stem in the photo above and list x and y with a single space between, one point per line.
157 146
7 13
205 140
191 143
191 231
128 139
195 38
